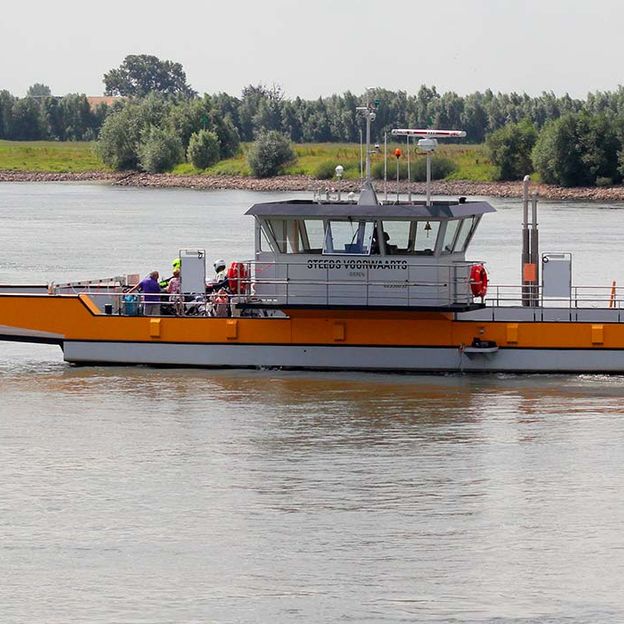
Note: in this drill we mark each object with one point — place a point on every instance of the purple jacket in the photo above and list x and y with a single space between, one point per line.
150 285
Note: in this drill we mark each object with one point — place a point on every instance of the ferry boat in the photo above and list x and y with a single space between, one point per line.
350 283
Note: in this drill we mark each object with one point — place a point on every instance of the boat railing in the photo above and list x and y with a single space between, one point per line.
582 296
223 303
188 304
118 301
92 285
323 281
271 284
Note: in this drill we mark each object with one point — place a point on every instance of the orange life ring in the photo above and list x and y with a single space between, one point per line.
478 280
238 278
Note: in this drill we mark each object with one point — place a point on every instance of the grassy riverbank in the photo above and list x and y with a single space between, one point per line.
49 157
471 161
315 159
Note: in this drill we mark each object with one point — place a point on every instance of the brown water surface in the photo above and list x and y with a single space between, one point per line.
154 495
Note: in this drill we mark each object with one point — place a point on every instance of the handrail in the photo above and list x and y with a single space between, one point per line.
602 296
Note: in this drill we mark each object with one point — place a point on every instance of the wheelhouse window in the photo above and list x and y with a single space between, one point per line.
409 237
276 233
348 237
465 233
293 236
397 236
452 228
313 231
458 234
425 237
264 242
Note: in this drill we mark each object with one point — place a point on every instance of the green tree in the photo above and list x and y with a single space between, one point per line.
38 90
203 149
159 150
140 74
601 144
122 130
270 153
53 118
579 148
118 142
557 154
78 119
190 116
510 149
7 101
27 123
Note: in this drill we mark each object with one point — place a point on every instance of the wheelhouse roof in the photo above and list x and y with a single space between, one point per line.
303 208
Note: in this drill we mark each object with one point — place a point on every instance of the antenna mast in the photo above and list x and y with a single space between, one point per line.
369 112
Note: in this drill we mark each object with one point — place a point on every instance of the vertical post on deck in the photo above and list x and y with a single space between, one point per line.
409 172
525 259
534 251
361 158
428 178
386 167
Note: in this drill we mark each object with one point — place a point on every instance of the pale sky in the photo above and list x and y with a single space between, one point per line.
320 47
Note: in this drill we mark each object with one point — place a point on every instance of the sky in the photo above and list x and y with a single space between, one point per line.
316 48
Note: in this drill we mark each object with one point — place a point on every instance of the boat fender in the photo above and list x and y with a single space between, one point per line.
478 280
238 277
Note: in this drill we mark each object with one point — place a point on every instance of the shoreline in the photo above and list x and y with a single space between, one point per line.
305 183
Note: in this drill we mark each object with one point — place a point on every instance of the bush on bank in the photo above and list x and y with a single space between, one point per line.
159 150
270 153
204 149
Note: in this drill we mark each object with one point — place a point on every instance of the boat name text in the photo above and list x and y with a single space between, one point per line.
354 264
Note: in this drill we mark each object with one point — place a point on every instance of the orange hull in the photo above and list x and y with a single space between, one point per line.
63 318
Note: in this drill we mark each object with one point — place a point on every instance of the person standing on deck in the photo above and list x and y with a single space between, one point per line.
151 289
176 265
173 288
220 279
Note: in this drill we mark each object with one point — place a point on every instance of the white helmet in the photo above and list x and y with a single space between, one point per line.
219 265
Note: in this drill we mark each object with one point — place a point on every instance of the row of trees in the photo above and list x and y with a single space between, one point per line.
334 118
322 120
577 149
43 117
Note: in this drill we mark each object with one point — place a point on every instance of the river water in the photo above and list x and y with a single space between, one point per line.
157 496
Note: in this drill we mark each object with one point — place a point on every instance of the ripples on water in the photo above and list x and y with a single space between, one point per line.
155 495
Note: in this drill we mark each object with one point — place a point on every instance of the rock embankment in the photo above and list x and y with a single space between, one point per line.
305 183
46 176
